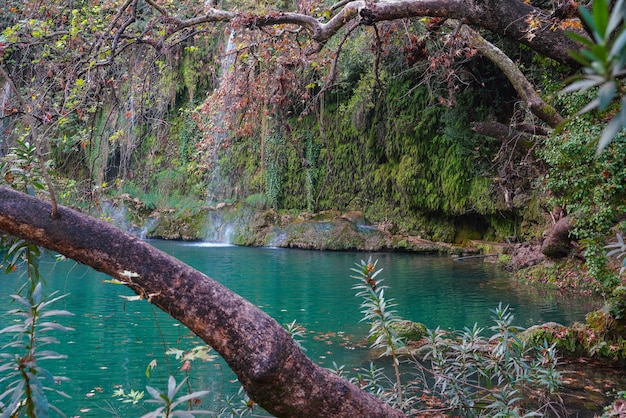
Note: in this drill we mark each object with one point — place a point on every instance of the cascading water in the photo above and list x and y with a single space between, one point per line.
220 101
5 91
219 188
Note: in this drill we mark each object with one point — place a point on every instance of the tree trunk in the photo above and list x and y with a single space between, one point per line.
269 364
558 243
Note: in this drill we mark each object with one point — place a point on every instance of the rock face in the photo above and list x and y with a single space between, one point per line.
242 224
525 255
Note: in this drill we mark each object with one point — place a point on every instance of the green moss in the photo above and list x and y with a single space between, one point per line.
504 260
409 330
186 224
567 274
537 335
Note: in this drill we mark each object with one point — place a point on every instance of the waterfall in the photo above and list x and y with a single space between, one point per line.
5 91
221 100
226 72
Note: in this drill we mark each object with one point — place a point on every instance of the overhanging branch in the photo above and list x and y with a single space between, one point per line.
269 364
506 17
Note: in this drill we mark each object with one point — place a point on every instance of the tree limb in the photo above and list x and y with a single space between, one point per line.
269 364
497 130
522 86
509 18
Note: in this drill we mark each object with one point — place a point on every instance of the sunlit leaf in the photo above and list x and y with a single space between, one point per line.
151 366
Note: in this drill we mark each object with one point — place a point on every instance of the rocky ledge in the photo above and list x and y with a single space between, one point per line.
241 224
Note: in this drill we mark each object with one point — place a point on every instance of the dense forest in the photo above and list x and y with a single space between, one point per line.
451 121
393 120
413 122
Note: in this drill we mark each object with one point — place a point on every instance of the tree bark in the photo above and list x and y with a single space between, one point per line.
498 131
558 243
269 364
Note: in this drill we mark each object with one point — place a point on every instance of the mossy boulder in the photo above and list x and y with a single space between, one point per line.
537 334
186 225
409 330
336 233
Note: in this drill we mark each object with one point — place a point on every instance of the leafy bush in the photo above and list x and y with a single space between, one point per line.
591 187
22 375
468 373
496 376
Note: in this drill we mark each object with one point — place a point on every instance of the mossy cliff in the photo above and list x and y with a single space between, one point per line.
391 153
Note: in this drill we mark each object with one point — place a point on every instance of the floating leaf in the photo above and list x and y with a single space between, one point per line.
131 298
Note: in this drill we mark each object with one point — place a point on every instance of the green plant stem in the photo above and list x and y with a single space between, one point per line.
396 367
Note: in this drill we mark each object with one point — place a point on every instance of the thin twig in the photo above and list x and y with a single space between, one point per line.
30 121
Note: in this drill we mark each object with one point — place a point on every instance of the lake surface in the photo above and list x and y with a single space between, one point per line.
115 339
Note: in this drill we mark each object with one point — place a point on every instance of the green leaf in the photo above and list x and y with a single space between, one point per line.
37 294
590 21
581 39
609 133
601 18
584 84
616 17
156 394
618 44
606 94
590 106
613 128
171 388
13 328
54 312
191 396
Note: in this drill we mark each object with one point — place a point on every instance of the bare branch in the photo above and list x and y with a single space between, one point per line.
506 17
32 126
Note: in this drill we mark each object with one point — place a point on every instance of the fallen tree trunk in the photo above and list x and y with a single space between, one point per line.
269 364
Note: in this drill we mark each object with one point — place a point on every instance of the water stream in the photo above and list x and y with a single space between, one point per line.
5 90
222 99
116 339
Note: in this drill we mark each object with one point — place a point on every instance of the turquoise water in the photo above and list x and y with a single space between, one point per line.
116 339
